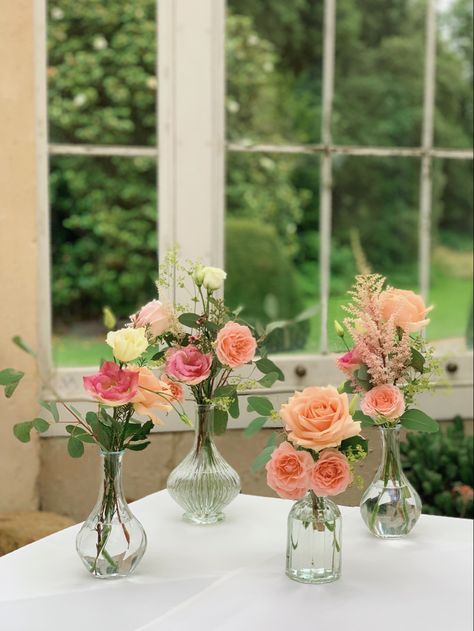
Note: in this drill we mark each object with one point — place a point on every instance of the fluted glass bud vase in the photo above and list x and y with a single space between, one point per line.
111 541
390 506
204 483
313 553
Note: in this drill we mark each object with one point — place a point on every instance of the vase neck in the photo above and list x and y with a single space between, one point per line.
391 467
111 468
204 425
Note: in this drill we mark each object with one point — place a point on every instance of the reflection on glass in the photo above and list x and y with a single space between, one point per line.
274 62
102 72
272 245
103 239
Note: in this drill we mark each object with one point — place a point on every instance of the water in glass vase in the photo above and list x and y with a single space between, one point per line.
390 507
204 483
314 540
111 541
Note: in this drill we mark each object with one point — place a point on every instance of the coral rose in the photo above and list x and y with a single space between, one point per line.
288 471
155 315
112 385
385 400
153 393
127 344
188 364
331 474
319 417
236 345
407 308
176 388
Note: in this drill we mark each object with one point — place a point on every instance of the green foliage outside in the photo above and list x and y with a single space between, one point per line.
441 466
102 89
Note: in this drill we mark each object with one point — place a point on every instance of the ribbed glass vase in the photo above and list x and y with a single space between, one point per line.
313 552
390 506
111 541
203 484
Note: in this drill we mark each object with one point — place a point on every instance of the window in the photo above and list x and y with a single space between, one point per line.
306 176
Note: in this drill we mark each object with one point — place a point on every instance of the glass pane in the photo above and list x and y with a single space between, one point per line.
454 107
102 72
274 70
272 243
103 239
379 72
375 226
452 255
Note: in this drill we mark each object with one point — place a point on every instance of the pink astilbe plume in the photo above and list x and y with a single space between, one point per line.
383 348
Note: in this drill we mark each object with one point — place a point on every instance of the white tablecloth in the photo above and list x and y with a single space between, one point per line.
230 577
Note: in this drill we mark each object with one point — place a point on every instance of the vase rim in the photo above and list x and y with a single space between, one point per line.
104 452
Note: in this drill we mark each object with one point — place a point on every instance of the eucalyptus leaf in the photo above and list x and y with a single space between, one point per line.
366 421
353 442
268 380
20 342
234 408
189 319
75 447
262 458
255 426
419 421
22 431
221 418
261 405
138 446
40 425
52 408
417 360
266 366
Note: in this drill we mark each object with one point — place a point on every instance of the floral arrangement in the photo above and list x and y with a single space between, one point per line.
389 362
321 442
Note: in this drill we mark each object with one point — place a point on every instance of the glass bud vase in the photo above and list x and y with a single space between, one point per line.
203 484
111 541
313 553
390 506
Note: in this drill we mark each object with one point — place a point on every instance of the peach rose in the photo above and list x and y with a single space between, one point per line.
236 345
288 471
331 474
385 400
176 388
319 417
407 308
153 393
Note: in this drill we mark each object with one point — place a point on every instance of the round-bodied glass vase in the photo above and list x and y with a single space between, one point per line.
111 541
313 553
390 507
203 484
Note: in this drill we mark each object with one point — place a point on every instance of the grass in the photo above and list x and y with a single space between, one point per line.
451 296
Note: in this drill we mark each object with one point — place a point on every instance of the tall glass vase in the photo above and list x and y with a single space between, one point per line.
313 553
203 484
111 541
390 506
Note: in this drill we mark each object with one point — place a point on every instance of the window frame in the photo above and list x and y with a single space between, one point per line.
190 157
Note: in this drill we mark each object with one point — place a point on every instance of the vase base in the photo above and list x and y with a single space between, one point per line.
312 575
204 520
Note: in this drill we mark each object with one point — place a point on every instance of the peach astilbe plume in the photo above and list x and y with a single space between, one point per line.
381 346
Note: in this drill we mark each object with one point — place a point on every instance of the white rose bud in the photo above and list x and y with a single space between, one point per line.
198 275
127 344
214 278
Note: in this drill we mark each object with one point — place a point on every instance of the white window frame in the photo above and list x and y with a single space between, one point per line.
191 176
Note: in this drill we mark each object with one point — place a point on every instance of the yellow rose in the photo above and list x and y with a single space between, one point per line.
127 344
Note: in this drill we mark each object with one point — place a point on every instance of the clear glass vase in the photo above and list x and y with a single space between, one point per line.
203 484
390 506
313 553
111 541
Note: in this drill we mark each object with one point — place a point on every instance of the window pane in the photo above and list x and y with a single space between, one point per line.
272 243
454 108
274 70
379 72
103 236
452 262
375 226
102 72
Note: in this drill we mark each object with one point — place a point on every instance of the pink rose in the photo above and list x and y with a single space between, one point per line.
385 400
155 315
318 418
331 474
349 362
236 345
288 471
188 364
176 388
112 385
153 393
407 308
